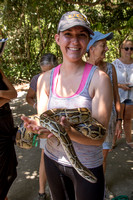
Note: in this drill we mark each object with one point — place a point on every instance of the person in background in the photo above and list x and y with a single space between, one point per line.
124 70
97 49
8 160
47 62
73 84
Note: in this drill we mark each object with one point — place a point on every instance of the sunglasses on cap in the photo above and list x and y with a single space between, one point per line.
127 48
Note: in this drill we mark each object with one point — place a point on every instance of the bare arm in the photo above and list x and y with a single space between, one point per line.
42 101
11 93
101 93
43 92
116 94
30 97
118 129
123 86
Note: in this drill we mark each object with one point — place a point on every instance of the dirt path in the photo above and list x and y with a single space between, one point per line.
25 187
119 175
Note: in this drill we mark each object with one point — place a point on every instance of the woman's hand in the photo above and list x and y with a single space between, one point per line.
65 124
77 136
124 86
118 129
32 125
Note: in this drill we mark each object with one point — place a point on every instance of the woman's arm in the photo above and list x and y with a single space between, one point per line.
101 93
43 86
30 97
42 101
118 128
11 93
124 86
116 93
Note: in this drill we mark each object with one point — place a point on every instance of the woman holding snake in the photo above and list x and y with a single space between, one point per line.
73 84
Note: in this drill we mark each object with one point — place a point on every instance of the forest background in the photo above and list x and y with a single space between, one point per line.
30 26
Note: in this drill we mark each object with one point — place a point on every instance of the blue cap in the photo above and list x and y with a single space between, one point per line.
98 36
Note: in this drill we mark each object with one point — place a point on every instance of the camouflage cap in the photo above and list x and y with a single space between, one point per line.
71 19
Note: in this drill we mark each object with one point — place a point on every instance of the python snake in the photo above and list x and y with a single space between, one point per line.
82 121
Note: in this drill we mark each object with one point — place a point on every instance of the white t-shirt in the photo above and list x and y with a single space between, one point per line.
124 76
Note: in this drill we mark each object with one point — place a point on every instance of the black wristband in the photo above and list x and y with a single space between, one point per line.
119 119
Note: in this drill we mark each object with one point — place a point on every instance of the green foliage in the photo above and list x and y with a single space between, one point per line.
118 20
30 26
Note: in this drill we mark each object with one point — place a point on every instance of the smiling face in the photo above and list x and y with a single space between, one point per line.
73 43
99 49
126 49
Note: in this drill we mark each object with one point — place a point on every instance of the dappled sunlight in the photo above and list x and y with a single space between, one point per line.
130 161
28 166
20 107
28 160
126 153
31 176
20 157
20 94
120 166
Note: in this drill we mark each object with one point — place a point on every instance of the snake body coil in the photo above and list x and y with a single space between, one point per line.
82 121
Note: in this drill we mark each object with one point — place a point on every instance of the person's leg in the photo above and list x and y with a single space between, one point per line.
57 174
107 146
69 187
42 174
55 179
108 193
128 115
8 159
85 190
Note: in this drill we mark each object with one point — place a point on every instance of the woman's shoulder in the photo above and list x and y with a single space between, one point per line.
100 74
45 77
34 78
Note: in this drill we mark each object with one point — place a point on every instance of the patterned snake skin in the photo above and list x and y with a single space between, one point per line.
81 120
